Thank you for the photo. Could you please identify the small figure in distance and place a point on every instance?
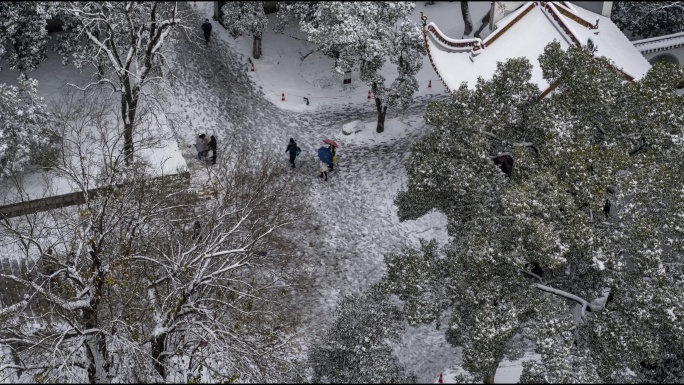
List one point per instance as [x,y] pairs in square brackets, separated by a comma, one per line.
[206,27]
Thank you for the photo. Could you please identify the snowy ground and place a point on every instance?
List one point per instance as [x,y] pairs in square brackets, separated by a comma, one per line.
[215,92]
[355,208]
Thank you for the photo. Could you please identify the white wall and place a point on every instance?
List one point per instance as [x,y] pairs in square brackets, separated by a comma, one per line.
[676,52]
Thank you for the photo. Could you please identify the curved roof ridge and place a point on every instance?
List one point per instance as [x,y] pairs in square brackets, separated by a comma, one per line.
[513,18]
[558,18]
[572,14]
[452,43]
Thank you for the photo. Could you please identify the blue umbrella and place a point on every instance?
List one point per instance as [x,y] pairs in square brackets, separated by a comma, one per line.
[324,155]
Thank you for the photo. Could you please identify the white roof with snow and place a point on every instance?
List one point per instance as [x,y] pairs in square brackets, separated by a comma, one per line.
[660,43]
[524,33]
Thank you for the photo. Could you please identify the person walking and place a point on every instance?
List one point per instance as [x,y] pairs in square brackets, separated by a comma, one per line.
[334,158]
[206,27]
[292,149]
[212,147]
[324,171]
[201,146]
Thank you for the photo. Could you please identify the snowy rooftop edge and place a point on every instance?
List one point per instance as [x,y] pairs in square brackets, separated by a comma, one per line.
[659,43]
[613,44]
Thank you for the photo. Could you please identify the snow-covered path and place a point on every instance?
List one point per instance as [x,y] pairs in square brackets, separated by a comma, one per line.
[357,220]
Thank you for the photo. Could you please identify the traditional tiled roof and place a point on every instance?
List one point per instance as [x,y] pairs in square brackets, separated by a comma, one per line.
[525,32]
[660,43]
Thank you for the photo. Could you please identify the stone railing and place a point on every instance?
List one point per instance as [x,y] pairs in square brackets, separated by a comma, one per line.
[59,201]
[464,43]
[423,18]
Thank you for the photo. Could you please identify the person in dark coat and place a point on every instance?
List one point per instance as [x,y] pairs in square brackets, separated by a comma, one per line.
[606,208]
[196,230]
[292,149]
[206,27]
[212,147]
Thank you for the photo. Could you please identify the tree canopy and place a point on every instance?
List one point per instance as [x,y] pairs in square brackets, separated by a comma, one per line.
[646,19]
[534,256]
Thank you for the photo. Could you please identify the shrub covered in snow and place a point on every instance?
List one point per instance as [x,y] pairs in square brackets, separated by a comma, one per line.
[354,349]
[23,126]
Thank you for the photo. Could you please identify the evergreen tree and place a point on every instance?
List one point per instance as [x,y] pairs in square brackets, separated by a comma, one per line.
[23,29]
[531,257]
[23,126]
[645,19]
[355,349]
[246,16]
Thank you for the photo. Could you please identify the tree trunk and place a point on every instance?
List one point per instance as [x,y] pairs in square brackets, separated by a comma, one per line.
[128,142]
[485,22]
[128,108]
[14,348]
[157,350]
[489,377]
[465,12]
[382,112]
[256,48]
[95,344]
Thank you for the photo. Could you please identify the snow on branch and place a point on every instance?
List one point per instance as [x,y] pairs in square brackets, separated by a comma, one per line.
[594,306]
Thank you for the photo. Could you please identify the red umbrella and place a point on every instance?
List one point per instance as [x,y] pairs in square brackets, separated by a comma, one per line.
[330,142]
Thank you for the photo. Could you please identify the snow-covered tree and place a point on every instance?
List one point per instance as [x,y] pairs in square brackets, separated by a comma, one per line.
[249,17]
[539,254]
[649,18]
[125,42]
[23,126]
[354,349]
[23,30]
[365,35]
[147,281]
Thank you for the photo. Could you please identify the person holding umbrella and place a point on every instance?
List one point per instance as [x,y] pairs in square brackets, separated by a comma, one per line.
[332,146]
[326,158]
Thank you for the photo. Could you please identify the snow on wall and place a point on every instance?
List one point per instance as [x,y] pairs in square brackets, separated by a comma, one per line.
[656,47]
